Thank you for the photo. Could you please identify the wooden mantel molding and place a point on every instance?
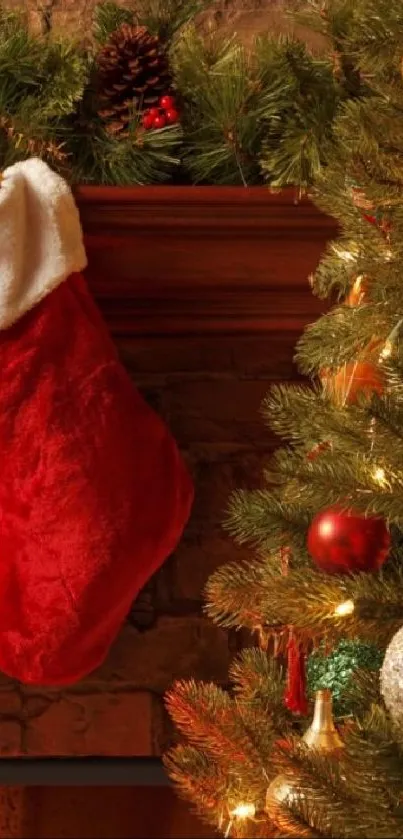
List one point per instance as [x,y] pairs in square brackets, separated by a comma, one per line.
[195,260]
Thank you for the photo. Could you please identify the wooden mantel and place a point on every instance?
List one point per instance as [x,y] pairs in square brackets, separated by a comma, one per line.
[195,260]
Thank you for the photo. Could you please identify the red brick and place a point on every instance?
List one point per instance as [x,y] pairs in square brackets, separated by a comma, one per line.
[216,481]
[176,648]
[93,724]
[10,723]
[196,559]
[10,703]
[10,738]
[165,734]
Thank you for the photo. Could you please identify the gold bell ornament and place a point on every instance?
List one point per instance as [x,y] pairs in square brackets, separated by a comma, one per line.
[322,735]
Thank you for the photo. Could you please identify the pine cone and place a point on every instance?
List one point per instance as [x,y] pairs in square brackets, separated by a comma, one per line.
[132,74]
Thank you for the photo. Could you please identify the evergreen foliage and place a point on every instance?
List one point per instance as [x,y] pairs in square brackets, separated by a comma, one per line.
[358,791]
[247,117]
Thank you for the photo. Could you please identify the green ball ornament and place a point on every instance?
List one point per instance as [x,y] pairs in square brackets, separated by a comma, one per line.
[336,670]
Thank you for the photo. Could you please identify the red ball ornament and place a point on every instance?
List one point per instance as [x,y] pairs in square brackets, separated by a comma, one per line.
[171,116]
[353,380]
[358,378]
[159,121]
[345,542]
[167,103]
[370,219]
[154,112]
[148,121]
[324,446]
[358,292]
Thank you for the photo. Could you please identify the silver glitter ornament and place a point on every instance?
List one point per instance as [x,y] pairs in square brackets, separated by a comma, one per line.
[391,679]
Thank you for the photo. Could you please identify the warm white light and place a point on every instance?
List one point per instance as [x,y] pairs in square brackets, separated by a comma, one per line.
[347,256]
[244,811]
[387,350]
[346,608]
[357,287]
[379,475]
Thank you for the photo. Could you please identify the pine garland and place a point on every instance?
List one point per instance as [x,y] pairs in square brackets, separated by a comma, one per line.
[246,117]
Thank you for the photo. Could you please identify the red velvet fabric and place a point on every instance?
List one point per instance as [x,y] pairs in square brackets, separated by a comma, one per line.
[93,492]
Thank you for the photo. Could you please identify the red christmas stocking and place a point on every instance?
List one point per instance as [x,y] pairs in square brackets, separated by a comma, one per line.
[93,492]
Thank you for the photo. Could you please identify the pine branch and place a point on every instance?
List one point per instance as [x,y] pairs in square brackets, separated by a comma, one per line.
[242,595]
[108,16]
[199,779]
[266,521]
[209,718]
[258,681]
[294,149]
[164,18]
[145,157]
[329,793]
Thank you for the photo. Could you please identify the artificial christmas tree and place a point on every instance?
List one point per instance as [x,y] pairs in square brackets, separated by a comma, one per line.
[333,501]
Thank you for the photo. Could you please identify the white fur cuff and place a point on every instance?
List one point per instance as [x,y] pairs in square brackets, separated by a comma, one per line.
[41,240]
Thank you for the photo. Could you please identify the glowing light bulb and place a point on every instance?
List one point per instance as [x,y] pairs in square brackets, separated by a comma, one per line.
[387,350]
[346,608]
[379,475]
[244,811]
[346,255]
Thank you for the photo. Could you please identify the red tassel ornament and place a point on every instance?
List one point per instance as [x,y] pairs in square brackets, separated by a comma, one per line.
[295,698]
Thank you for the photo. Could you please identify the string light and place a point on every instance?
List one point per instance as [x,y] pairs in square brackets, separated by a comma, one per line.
[387,351]
[379,475]
[228,830]
[357,287]
[241,812]
[343,609]
[244,811]
[345,255]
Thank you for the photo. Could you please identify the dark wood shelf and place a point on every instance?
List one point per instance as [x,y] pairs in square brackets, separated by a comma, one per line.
[84,771]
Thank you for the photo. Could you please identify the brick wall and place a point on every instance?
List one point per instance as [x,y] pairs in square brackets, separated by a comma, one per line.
[246,18]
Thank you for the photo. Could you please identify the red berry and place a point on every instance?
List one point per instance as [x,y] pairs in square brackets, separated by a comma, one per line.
[159,121]
[167,102]
[154,112]
[148,121]
[172,116]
